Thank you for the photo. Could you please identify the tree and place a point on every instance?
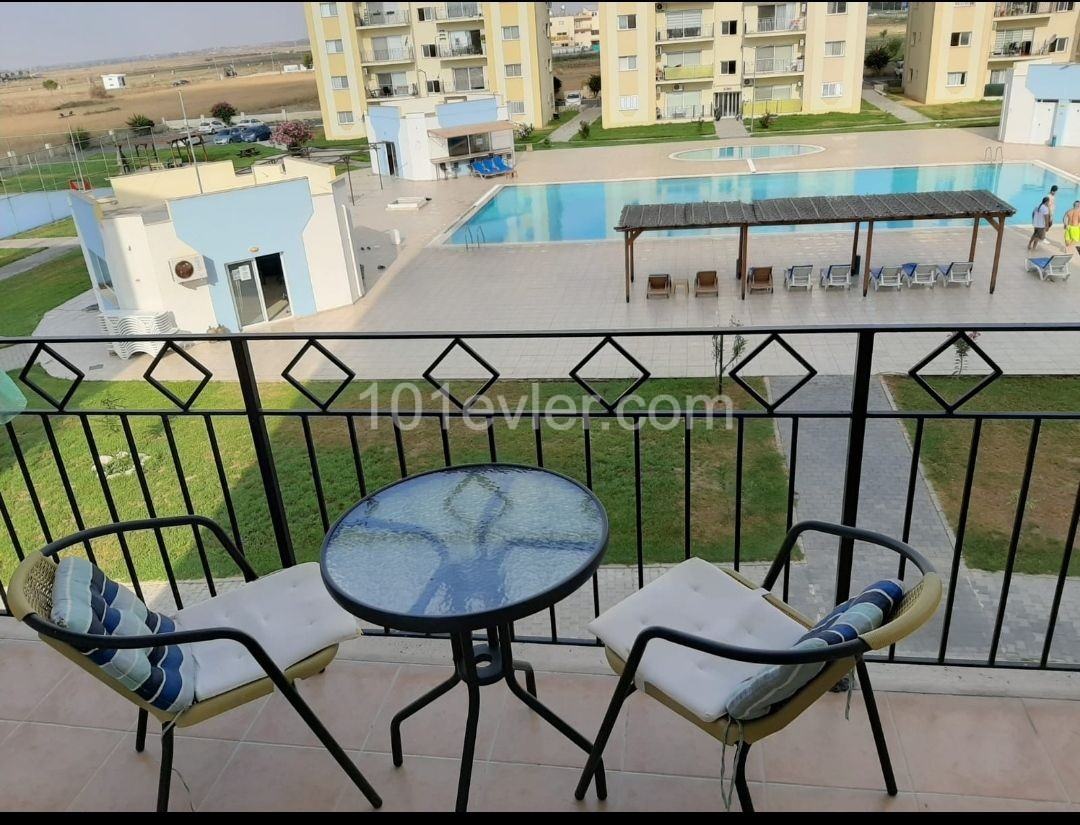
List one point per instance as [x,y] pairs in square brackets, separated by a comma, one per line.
[593,83]
[140,124]
[224,112]
[292,134]
[877,59]
[558,85]
[80,138]
[50,84]
[895,45]
[309,61]
[722,361]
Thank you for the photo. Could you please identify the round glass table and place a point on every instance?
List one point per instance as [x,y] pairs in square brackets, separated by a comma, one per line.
[464,549]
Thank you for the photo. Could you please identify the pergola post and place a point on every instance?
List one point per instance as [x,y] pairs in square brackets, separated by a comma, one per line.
[744,242]
[855,247]
[869,252]
[626,262]
[633,237]
[974,239]
[1000,229]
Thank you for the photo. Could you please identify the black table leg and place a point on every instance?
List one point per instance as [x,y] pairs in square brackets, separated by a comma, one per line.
[410,709]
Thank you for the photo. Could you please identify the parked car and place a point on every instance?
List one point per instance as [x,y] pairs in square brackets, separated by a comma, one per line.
[573,100]
[180,81]
[254,134]
[230,135]
[208,127]
[247,122]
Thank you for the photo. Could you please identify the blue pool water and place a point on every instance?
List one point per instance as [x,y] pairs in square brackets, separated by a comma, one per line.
[753,152]
[588,211]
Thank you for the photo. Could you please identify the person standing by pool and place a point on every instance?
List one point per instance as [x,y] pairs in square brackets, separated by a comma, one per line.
[1052,206]
[1072,228]
[1040,220]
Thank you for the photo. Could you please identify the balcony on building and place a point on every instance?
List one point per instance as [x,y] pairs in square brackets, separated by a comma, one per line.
[453,12]
[402,54]
[455,50]
[698,32]
[370,18]
[1026,9]
[773,66]
[388,92]
[684,74]
[763,26]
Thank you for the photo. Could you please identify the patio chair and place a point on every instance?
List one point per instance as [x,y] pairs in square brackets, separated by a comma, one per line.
[483,169]
[799,276]
[920,274]
[501,166]
[958,272]
[1056,267]
[738,662]
[706,283]
[244,643]
[759,279]
[838,275]
[887,277]
[659,286]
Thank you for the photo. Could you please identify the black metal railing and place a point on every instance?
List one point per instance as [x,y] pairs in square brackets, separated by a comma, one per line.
[383,17]
[395,55]
[1021,9]
[684,32]
[462,50]
[274,435]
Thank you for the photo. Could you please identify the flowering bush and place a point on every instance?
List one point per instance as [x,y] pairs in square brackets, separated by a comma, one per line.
[224,112]
[292,134]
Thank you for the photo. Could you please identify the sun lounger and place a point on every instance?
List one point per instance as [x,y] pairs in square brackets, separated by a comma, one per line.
[481,168]
[706,283]
[958,272]
[1054,267]
[501,166]
[799,276]
[920,274]
[887,277]
[836,275]
[759,279]
[659,286]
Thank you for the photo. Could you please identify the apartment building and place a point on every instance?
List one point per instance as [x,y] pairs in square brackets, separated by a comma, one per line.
[366,54]
[669,61]
[579,31]
[962,51]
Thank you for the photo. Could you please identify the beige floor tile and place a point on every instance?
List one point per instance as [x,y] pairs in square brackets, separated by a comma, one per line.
[28,671]
[346,698]
[438,729]
[807,798]
[580,700]
[233,724]
[652,792]
[43,767]
[947,802]
[1058,726]
[278,778]
[6,728]
[423,783]
[823,748]
[984,746]
[511,787]
[80,699]
[128,781]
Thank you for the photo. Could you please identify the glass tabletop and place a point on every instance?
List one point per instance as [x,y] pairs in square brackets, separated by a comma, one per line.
[464,547]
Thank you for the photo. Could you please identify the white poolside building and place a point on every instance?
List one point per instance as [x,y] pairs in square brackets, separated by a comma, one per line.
[1042,104]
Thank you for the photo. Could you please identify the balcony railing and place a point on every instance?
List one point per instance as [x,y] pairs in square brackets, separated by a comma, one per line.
[460,11]
[390,17]
[399,55]
[1022,9]
[685,72]
[772,66]
[695,112]
[1023,48]
[994,90]
[684,32]
[462,51]
[775,25]
[381,92]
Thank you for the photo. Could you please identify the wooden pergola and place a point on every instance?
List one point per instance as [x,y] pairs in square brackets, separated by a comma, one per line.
[976,204]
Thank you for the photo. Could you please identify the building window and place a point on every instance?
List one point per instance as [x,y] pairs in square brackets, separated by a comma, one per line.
[963,4]
[835,48]
[515,107]
[334,47]
[469,79]
[997,76]
[1064,6]
[960,39]
[729,27]
[727,67]
[1059,44]
[103,279]
[328,9]
[344,118]
[434,86]
[511,33]
[425,13]
[837,8]
[339,81]
[627,22]
[956,79]
[780,92]
[628,103]
[513,70]
[429,50]
[628,64]
[831,90]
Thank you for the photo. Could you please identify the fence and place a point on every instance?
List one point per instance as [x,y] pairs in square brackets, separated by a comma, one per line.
[276,459]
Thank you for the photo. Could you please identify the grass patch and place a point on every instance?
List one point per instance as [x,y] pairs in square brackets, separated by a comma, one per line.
[231,151]
[662,517]
[26,297]
[323,143]
[998,473]
[63,228]
[868,115]
[10,256]
[955,111]
[690,130]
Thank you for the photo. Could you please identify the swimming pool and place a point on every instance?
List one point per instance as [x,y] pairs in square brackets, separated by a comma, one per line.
[544,213]
[758,151]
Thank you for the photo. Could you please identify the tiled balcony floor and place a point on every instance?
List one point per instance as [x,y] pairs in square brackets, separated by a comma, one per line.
[67,742]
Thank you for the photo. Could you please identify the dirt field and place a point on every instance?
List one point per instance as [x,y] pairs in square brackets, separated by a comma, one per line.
[29,114]
[574,71]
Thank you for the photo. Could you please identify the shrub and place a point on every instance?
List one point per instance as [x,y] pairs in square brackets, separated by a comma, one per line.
[877,59]
[895,47]
[545,142]
[50,84]
[583,130]
[80,138]
[98,92]
[309,61]
[224,112]
[593,83]
[141,124]
[767,120]
[557,84]
[292,134]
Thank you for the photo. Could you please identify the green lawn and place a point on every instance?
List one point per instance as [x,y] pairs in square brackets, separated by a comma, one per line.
[63,228]
[689,130]
[712,471]
[10,256]
[323,143]
[26,297]
[967,109]
[868,115]
[1002,450]
[231,151]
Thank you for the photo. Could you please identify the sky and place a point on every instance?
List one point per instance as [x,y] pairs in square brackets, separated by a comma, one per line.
[41,34]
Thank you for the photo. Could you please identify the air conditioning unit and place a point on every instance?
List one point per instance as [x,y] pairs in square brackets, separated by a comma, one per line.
[659,6]
[188,269]
[748,81]
[677,87]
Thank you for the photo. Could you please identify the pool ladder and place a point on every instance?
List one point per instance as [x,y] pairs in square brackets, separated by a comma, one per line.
[473,240]
[994,154]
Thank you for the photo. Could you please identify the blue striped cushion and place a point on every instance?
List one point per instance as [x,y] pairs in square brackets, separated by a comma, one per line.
[774,684]
[85,600]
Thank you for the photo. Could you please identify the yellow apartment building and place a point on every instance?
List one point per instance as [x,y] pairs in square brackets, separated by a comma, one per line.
[670,61]
[368,53]
[962,51]
[576,31]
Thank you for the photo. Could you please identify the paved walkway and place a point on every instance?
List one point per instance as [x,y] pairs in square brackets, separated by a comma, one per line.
[729,127]
[587,115]
[905,113]
[50,252]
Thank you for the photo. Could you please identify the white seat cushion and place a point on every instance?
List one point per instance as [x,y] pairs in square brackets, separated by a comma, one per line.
[288,612]
[698,598]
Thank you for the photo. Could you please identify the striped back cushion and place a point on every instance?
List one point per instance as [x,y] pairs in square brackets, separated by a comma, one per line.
[85,600]
[774,684]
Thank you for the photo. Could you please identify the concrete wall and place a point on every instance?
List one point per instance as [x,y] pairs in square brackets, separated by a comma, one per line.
[1042,110]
